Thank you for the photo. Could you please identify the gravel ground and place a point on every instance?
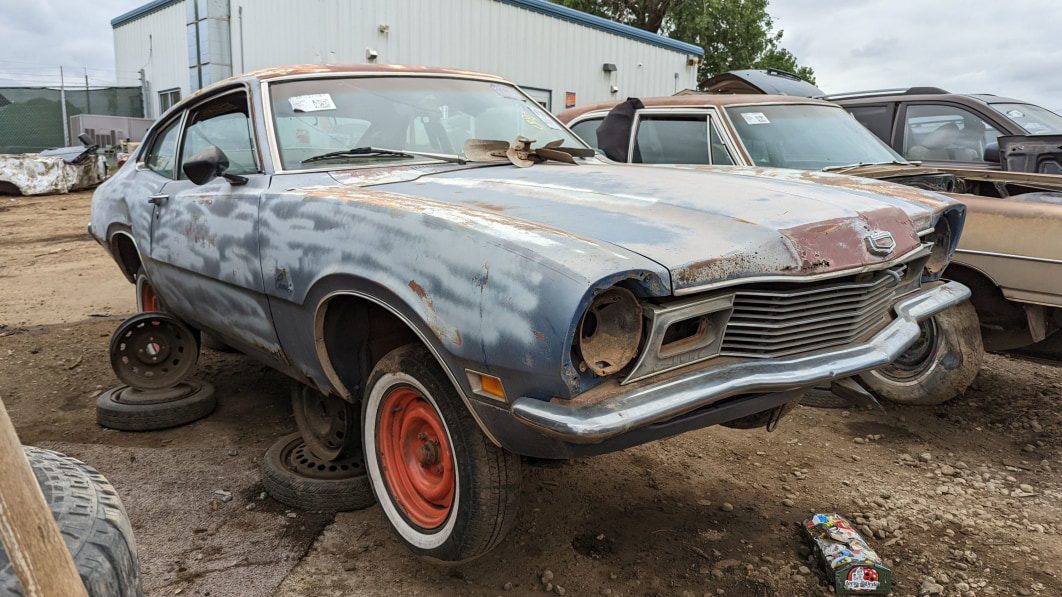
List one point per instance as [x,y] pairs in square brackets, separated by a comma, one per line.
[962,499]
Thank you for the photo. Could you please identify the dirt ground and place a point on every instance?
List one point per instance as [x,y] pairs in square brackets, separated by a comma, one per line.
[962,499]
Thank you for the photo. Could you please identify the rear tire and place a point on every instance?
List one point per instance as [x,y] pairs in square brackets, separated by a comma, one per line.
[939,366]
[93,524]
[449,494]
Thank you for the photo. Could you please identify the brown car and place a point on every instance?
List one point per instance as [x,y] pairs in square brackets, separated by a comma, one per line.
[1010,252]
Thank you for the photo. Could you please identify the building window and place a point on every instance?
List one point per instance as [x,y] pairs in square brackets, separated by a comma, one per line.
[168,98]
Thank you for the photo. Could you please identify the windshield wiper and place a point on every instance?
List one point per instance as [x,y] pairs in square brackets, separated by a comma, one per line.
[380,152]
[859,164]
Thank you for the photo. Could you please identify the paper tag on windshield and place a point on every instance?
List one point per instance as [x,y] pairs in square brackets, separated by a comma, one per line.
[755,118]
[312,103]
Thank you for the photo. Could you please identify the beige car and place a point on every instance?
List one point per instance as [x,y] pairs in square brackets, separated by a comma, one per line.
[1010,252]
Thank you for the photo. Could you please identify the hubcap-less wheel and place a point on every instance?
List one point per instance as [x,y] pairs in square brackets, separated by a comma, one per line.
[147,300]
[327,424]
[151,351]
[416,457]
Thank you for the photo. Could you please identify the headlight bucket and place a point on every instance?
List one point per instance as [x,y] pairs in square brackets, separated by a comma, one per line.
[945,238]
[610,332]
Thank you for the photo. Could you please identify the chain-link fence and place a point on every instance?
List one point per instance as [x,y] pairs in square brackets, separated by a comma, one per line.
[31,118]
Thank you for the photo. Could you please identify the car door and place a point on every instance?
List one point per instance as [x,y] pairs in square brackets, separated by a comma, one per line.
[204,242]
[940,134]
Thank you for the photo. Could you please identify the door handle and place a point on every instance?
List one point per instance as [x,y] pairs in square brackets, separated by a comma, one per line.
[158,199]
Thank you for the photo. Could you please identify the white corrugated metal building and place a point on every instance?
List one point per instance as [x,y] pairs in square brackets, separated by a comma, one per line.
[558,55]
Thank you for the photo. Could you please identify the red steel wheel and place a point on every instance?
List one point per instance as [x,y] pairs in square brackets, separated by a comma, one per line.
[147,300]
[415,457]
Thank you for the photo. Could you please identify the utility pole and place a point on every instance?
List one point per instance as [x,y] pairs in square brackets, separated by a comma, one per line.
[144,94]
[88,96]
[62,104]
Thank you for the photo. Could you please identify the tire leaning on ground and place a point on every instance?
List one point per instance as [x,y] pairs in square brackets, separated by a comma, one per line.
[941,364]
[93,523]
[128,409]
[449,494]
[292,475]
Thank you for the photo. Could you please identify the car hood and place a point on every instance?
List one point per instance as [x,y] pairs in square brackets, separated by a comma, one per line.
[705,225]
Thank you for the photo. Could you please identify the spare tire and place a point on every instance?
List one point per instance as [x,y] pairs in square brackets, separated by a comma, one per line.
[292,475]
[93,524]
[128,409]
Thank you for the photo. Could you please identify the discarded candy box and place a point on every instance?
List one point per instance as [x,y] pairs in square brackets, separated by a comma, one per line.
[849,562]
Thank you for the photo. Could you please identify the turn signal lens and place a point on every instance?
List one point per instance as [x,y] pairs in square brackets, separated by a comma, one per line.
[485,385]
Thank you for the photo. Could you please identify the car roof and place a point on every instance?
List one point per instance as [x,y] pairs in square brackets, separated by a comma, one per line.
[695,100]
[913,95]
[298,71]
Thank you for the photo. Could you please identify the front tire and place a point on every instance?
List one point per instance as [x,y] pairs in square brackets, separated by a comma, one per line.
[449,494]
[939,366]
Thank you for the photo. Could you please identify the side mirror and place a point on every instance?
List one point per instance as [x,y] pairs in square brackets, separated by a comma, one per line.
[209,164]
[992,153]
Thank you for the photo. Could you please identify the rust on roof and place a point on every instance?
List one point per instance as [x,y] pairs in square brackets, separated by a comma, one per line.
[703,100]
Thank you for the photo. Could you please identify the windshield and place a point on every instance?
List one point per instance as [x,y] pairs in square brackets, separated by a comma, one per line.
[1034,119]
[412,114]
[807,137]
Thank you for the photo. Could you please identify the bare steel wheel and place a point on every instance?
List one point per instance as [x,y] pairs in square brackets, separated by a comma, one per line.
[449,494]
[328,424]
[294,476]
[152,351]
[147,300]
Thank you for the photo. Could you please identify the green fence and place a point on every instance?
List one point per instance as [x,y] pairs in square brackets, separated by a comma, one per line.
[31,118]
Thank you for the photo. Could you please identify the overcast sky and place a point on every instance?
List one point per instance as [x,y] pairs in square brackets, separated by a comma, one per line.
[965,46]
[1008,48]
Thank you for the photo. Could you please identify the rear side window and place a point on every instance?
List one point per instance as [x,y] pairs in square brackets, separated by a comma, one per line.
[162,157]
[671,140]
[876,118]
[587,130]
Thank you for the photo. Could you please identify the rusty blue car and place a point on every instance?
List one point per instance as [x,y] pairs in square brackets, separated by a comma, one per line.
[456,282]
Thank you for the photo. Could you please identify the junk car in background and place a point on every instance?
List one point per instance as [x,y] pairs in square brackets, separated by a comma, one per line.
[1008,254]
[433,252]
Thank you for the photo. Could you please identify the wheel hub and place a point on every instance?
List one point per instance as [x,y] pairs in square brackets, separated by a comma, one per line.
[917,359]
[415,457]
[326,423]
[152,351]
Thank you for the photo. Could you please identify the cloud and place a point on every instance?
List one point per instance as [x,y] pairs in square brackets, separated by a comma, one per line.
[41,35]
[1007,48]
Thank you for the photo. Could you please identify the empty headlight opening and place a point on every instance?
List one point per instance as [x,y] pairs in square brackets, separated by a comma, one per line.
[610,332]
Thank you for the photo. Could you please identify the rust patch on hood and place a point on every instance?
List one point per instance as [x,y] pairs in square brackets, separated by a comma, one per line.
[841,243]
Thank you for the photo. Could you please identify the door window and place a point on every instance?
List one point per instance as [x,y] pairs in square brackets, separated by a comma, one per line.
[943,133]
[876,118]
[671,139]
[223,123]
[161,158]
[720,154]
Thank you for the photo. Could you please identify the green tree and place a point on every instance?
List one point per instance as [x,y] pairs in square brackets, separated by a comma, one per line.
[735,34]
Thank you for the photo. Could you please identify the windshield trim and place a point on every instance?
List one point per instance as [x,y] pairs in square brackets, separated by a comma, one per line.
[741,142]
[271,137]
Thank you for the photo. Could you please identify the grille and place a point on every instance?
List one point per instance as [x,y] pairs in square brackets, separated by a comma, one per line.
[773,323]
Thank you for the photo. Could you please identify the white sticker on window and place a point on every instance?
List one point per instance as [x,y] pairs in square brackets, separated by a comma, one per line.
[755,118]
[312,103]
[1015,113]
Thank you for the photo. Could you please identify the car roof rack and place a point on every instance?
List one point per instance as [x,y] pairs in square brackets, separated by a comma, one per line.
[897,91]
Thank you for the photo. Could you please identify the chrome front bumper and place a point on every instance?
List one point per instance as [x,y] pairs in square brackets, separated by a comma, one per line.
[679,395]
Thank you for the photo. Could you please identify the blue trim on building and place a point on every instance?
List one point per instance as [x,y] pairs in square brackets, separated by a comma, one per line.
[142,11]
[540,6]
[595,22]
